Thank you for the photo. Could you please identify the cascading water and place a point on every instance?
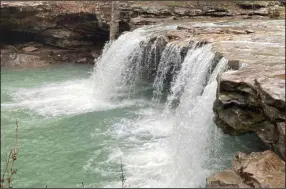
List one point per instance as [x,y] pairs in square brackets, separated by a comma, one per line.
[170,60]
[193,125]
[114,66]
[122,61]
[192,75]
[181,163]
[147,101]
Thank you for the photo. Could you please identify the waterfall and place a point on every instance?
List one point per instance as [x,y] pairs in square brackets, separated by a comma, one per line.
[169,62]
[118,63]
[191,77]
[189,85]
[124,61]
[194,136]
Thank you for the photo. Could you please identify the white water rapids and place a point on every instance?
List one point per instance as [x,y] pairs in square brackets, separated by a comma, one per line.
[184,136]
[172,143]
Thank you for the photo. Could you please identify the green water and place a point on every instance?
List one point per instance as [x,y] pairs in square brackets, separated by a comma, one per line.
[65,140]
[53,150]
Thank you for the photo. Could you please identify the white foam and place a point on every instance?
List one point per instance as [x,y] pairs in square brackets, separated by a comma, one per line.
[193,131]
[65,98]
[169,148]
[172,148]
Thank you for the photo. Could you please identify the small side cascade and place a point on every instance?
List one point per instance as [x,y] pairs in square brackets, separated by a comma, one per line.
[153,55]
[192,75]
[195,139]
[169,62]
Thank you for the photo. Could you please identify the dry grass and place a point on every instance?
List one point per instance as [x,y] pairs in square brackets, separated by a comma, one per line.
[8,169]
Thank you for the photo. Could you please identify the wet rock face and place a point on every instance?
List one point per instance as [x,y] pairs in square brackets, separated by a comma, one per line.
[252,99]
[256,170]
[154,47]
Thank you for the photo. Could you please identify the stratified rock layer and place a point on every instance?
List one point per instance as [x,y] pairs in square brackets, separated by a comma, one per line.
[58,24]
[252,99]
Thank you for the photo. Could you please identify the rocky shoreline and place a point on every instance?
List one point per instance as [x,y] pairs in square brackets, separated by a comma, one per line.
[77,31]
[250,97]
[33,54]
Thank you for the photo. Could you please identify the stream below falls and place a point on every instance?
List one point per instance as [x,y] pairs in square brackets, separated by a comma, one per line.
[77,123]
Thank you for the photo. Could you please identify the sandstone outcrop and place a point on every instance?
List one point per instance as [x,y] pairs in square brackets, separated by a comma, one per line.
[85,25]
[256,170]
[252,99]
[72,24]
[33,54]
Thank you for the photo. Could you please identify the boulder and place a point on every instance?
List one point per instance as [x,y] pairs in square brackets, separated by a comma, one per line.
[256,170]
[29,49]
[22,61]
[226,179]
[260,169]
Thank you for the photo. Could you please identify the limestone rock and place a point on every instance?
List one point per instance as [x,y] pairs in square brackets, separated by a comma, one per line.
[29,49]
[261,169]
[22,60]
[252,99]
[280,146]
[261,12]
[226,179]
[70,24]
[140,21]
[256,170]
[53,23]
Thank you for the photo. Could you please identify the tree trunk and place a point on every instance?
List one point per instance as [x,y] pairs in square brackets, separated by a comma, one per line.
[114,22]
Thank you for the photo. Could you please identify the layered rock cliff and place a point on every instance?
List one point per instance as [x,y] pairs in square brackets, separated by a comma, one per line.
[76,31]
[252,99]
